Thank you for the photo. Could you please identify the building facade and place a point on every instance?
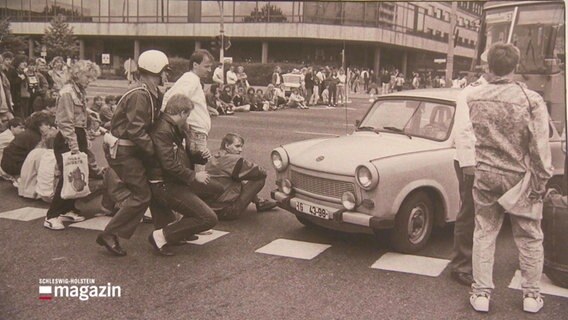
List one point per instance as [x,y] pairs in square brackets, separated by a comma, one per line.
[408,36]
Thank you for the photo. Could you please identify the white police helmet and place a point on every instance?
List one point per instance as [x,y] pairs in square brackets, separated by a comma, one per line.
[153,61]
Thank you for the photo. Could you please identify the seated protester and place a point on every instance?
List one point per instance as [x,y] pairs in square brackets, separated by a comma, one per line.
[280,97]
[226,98]
[174,186]
[107,111]
[264,105]
[47,174]
[252,100]
[38,125]
[97,104]
[15,127]
[296,100]
[27,183]
[241,179]
[239,101]
[270,97]
[211,98]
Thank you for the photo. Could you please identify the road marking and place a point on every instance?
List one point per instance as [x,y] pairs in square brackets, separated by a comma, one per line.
[24,214]
[425,266]
[96,223]
[293,249]
[317,133]
[203,239]
[546,285]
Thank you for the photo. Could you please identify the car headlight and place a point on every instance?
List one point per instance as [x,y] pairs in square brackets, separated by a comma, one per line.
[279,159]
[348,200]
[367,176]
[286,186]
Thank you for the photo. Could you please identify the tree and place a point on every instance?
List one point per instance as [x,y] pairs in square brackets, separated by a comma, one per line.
[59,39]
[268,13]
[8,41]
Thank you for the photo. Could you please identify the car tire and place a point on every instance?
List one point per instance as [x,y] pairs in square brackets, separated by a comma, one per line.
[413,223]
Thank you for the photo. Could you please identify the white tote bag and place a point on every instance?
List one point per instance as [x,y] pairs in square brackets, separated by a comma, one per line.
[75,176]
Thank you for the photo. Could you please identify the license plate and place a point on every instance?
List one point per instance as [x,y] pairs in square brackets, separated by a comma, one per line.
[313,210]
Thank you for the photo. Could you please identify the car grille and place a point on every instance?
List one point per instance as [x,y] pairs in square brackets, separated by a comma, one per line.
[320,186]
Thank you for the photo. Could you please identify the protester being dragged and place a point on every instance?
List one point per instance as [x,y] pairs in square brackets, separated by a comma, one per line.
[241,179]
[175,186]
[71,119]
[512,150]
[38,125]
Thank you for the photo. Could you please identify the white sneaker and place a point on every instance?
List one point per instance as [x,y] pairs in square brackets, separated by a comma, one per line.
[53,224]
[533,303]
[479,302]
[72,216]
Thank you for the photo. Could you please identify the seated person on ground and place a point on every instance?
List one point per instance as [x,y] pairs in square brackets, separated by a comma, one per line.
[270,97]
[15,127]
[239,101]
[107,111]
[97,104]
[29,179]
[211,100]
[241,179]
[280,97]
[215,101]
[296,100]
[38,125]
[252,99]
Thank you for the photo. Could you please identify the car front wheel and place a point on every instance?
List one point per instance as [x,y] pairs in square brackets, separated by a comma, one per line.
[413,223]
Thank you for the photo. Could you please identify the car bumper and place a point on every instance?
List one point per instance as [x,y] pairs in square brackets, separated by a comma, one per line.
[339,218]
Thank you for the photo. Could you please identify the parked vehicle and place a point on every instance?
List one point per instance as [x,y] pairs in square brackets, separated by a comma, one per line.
[396,171]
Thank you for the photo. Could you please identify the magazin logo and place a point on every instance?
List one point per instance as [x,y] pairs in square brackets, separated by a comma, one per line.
[83,292]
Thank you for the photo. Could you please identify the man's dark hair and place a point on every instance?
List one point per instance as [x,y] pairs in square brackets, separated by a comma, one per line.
[109,98]
[502,58]
[15,122]
[37,119]
[7,55]
[229,139]
[198,55]
[213,88]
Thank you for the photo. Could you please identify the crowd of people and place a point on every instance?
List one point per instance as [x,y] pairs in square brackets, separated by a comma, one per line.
[155,145]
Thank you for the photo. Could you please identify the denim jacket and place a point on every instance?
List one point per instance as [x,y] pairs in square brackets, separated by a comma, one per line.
[71,112]
[511,122]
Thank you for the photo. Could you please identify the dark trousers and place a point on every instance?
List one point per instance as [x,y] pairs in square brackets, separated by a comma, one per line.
[129,167]
[248,194]
[58,205]
[465,224]
[197,215]
[332,100]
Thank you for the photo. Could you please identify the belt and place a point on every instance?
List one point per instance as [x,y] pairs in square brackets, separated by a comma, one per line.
[125,142]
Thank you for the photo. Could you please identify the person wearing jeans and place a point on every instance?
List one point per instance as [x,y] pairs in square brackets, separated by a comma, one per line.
[510,124]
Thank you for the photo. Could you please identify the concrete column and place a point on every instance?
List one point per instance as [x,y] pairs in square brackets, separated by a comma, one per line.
[81,49]
[377,60]
[30,48]
[197,45]
[264,55]
[136,49]
[404,62]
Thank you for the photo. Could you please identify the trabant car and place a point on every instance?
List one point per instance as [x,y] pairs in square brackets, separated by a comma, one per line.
[290,81]
[395,171]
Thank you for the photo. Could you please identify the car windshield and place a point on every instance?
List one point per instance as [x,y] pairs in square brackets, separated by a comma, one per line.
[425,119]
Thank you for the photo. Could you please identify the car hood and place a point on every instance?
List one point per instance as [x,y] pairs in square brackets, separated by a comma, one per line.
[343,154]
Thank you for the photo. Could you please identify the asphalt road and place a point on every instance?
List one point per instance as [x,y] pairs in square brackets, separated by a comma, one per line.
[225,278]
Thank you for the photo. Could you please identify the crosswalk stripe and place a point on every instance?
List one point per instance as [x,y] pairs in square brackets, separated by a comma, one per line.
[293,249]
[24,214]
[546,286]
[425,266]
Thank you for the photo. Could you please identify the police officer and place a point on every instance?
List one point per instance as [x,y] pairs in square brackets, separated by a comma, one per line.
[135,114]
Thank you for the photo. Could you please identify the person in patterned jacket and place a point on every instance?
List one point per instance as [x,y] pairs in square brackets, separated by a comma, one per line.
[510,124]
